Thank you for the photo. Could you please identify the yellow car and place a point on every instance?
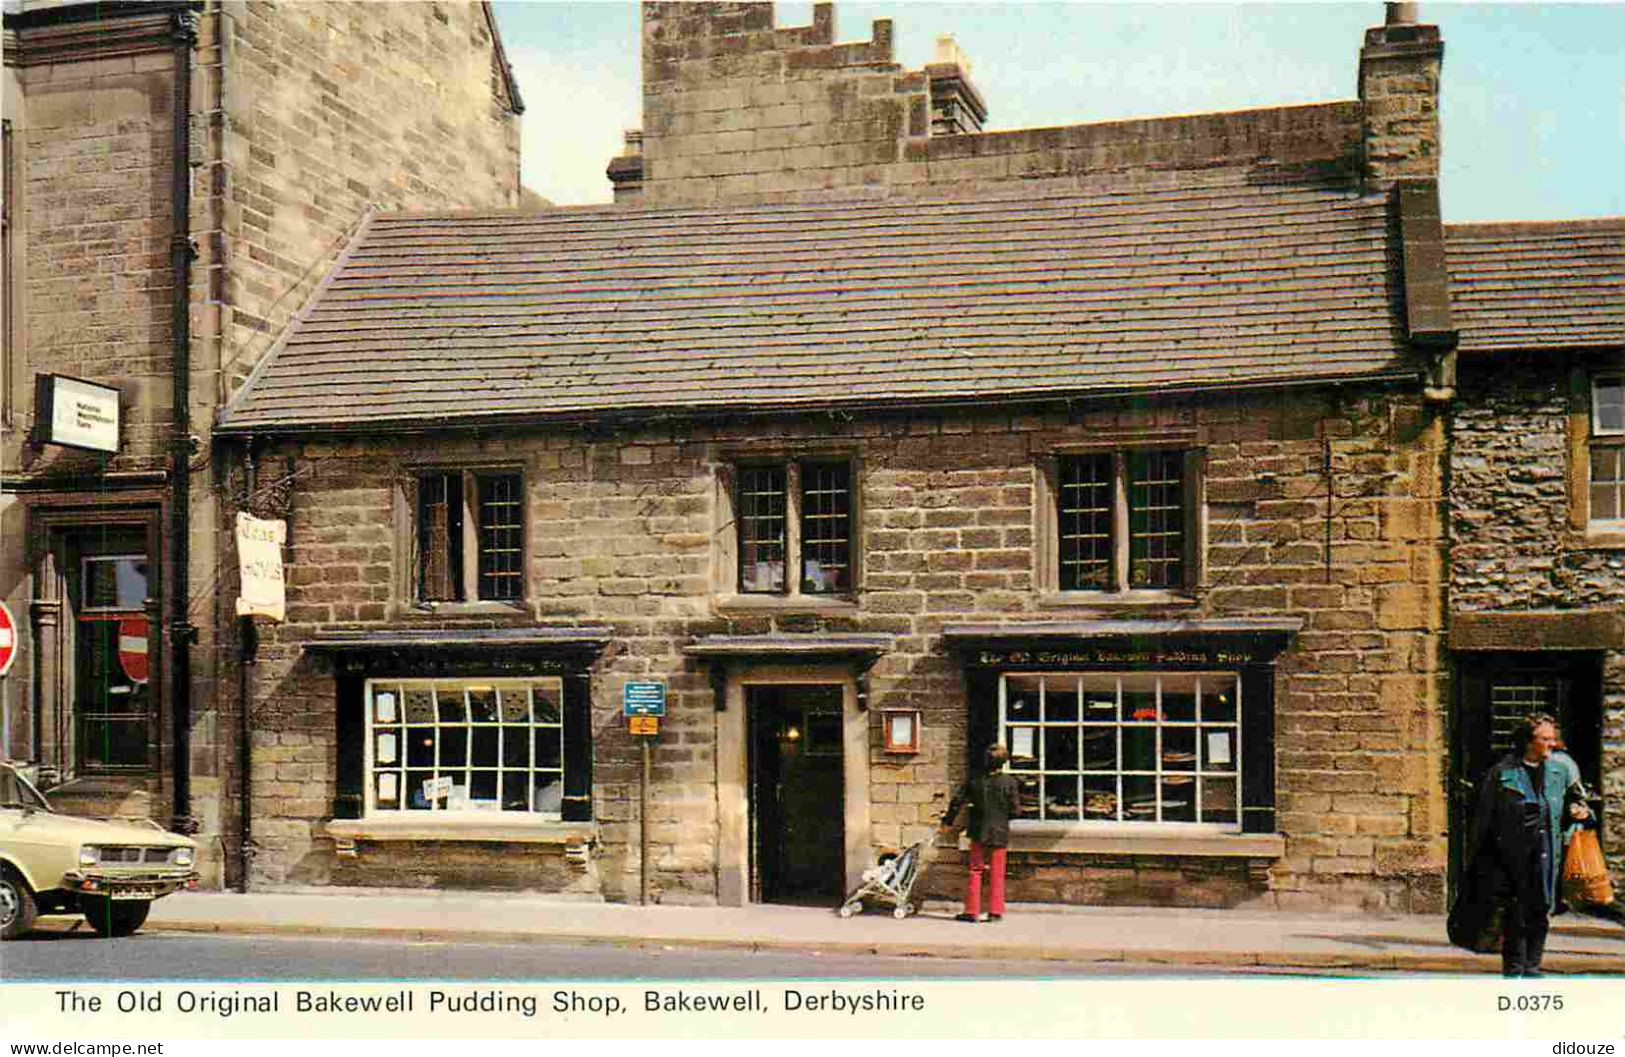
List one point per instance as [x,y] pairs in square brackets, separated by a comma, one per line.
[58,864]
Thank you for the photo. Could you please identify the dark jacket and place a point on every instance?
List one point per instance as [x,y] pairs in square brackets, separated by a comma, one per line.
[1514,850]
[993,800]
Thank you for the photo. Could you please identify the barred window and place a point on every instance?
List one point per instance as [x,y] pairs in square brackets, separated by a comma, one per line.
[795,515]
[1125,520]
[1125,747]
[465,746]
[1607,449]
[470,534]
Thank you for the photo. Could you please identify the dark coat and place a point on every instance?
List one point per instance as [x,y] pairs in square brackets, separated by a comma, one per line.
[1514,851]
[993,800]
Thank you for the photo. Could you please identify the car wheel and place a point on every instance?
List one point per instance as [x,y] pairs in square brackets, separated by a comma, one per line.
[17,909]
[110,918]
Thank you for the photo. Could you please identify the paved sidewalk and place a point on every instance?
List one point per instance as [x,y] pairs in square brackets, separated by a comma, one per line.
[1239,938]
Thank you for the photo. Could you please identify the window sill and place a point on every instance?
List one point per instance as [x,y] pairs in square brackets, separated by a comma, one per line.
[1600,537]
[1121,600]
[1110,839]
[788,604]
[508,831]
[460,609]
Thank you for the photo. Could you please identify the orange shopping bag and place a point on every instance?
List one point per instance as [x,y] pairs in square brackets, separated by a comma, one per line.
[1585,874]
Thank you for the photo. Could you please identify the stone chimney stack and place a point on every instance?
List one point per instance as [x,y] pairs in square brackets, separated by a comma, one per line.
[625,171]
[956,105]
[1399,85]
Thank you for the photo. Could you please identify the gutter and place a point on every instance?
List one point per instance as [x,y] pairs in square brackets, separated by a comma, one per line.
[656,412]
[182,633]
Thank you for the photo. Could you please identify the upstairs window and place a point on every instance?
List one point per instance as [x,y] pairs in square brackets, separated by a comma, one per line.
[1126,520]
[794,515]
[470,536]
[1607,450]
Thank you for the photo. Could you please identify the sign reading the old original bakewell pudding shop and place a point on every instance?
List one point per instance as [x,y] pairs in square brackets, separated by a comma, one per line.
[75,413]
[1109,656]
[259,558]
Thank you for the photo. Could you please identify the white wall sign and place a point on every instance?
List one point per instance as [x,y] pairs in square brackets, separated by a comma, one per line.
[75,413]
[259,558]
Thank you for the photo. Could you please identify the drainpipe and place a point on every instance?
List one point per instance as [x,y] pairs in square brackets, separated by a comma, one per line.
[181,631]
[248,654]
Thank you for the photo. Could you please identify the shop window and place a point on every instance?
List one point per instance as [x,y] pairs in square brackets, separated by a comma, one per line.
[1125,747]
[466,747]
[1126,521]
[1607,452]
[794,515]
[112,694]
[470,537]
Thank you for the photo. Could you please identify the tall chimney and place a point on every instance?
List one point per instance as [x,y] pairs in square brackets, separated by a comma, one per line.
[956,105]
[1399,85]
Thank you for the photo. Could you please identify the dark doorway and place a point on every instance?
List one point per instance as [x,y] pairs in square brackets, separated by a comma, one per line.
[797,794]
[1496,690]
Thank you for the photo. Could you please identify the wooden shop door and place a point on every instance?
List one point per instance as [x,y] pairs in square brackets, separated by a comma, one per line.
[797,801]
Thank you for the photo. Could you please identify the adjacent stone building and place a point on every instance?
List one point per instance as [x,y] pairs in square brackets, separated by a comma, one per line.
[1122,444]
[1537,532]
[178,177]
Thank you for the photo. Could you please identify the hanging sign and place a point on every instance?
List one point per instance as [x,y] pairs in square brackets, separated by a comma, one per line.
[8,639]
[75,413]
[259,557]
[132,648]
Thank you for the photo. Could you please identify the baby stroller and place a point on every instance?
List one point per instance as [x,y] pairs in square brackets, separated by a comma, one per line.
[891,881]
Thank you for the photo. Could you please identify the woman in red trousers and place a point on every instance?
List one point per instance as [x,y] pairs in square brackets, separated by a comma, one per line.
[993,798]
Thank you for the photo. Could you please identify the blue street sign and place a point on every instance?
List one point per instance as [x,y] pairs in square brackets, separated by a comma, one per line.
[644,699]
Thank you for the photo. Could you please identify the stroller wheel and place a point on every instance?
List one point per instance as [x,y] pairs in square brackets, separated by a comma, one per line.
[848,909]
[903,910]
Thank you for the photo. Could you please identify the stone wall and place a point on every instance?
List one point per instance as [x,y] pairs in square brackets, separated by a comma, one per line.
[95,145]
[622,526]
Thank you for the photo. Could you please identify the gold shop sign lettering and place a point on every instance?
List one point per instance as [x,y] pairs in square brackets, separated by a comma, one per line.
[1072,658]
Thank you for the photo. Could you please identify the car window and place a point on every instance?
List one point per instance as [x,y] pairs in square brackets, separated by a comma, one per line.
[15,792]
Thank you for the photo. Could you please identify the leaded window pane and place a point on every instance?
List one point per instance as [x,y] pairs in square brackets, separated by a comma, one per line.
[1607,483]
[1608,406]
[501,537]
[826,528]
[1156,519]
[1085,530]
[761,529]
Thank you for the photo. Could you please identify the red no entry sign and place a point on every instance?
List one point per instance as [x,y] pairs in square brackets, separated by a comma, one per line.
[8,639]
[132,648]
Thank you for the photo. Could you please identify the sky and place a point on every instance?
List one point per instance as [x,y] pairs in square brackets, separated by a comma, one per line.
[1532,104]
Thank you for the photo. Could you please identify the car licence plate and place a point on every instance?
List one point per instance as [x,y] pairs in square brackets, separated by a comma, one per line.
[124,892]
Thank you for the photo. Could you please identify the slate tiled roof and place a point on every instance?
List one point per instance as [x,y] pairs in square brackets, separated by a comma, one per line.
[1537,285]
[582,311]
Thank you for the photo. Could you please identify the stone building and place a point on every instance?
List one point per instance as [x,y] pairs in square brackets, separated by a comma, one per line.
[178,177]
[873,438]
[1537,531]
